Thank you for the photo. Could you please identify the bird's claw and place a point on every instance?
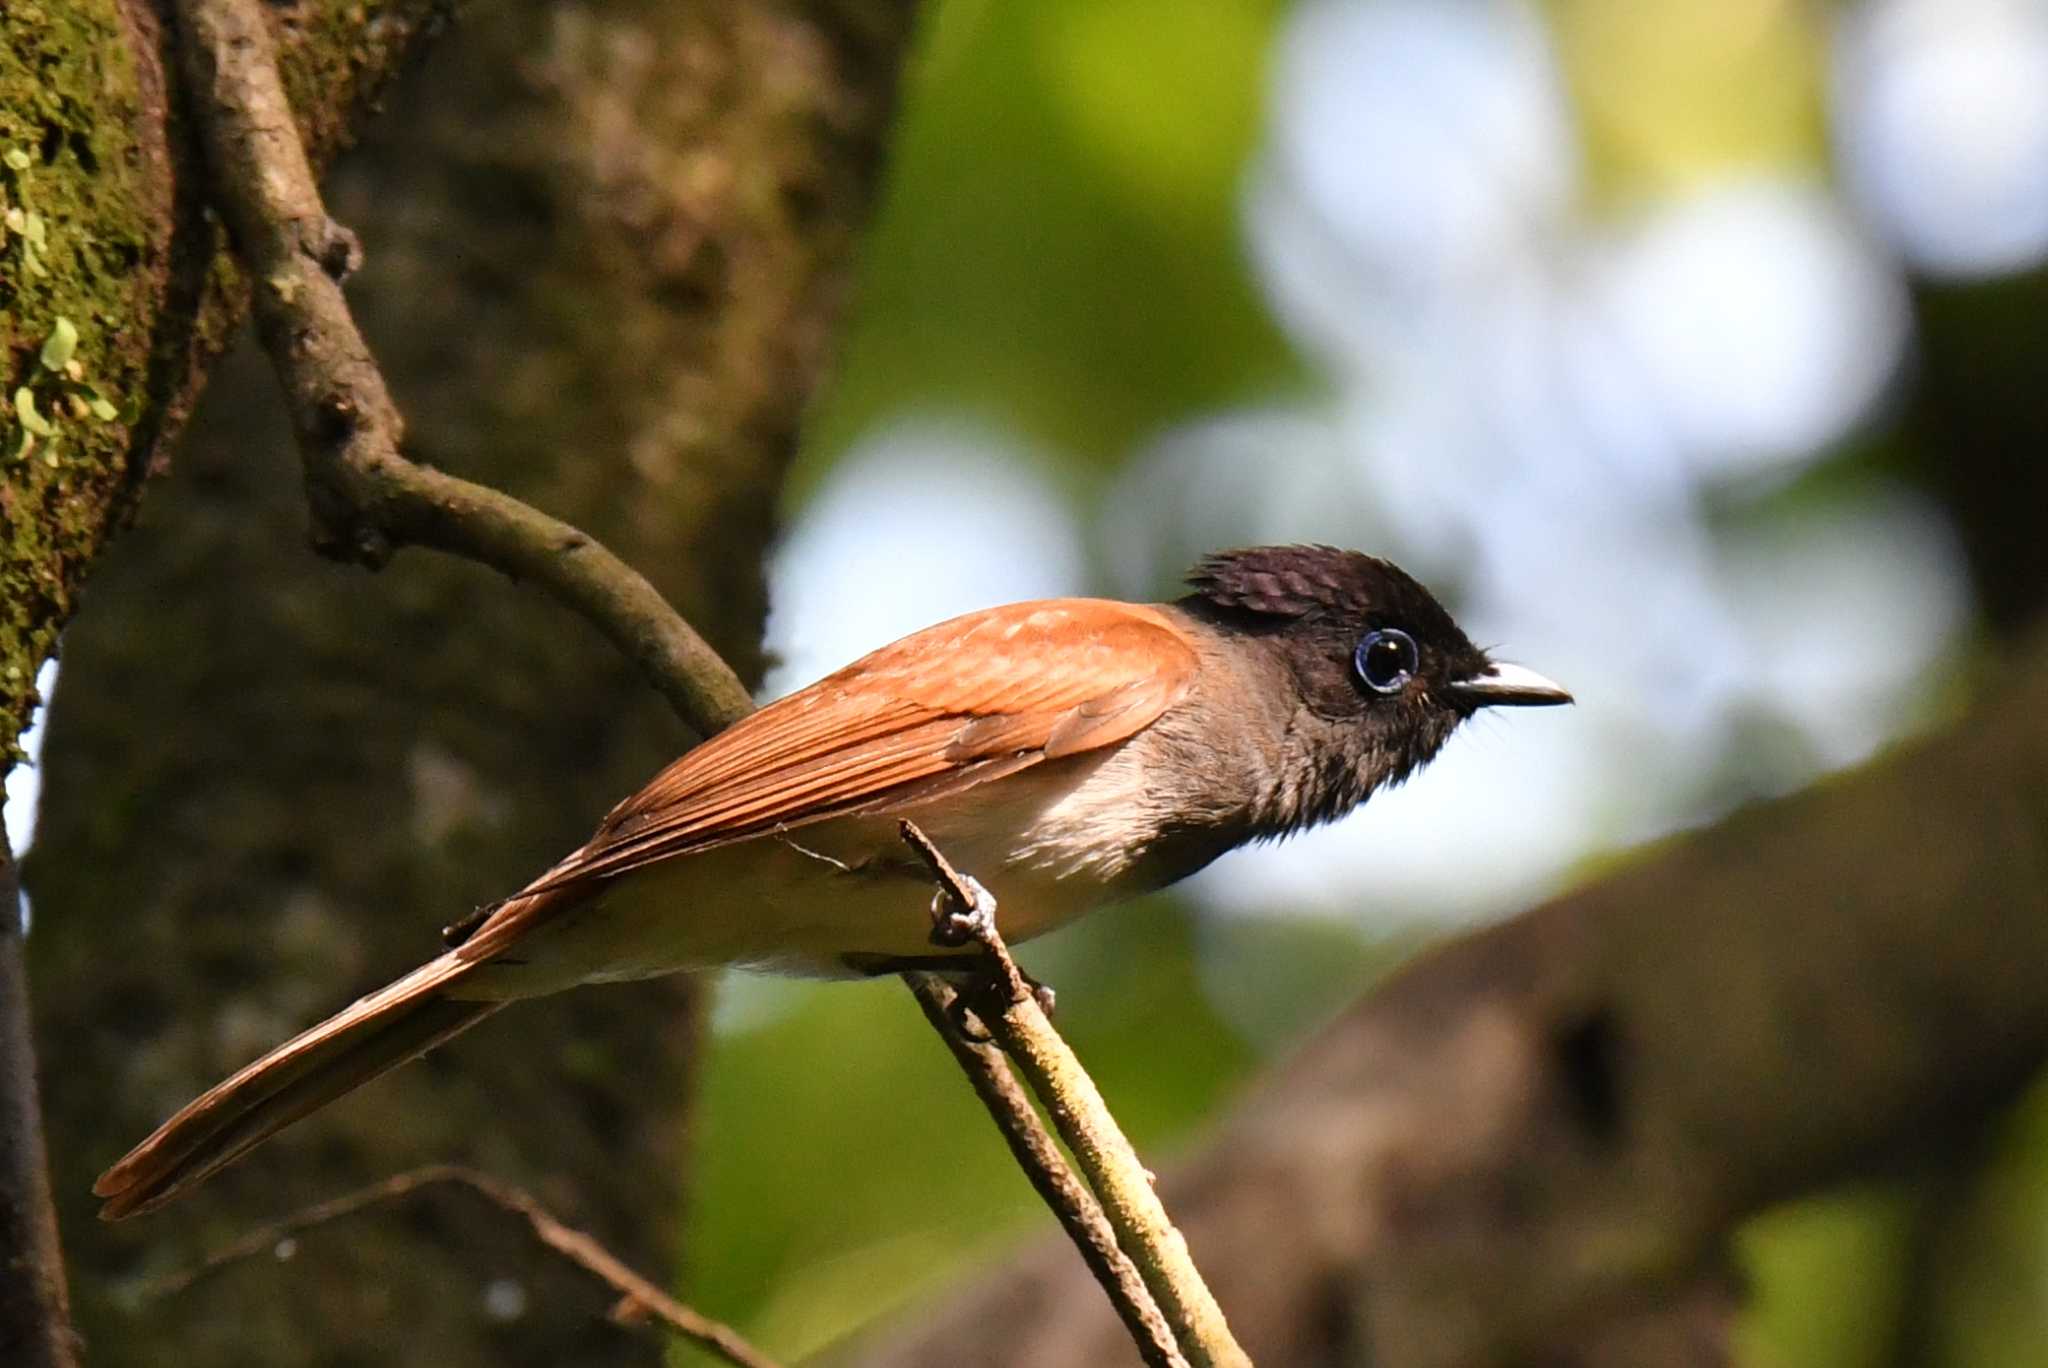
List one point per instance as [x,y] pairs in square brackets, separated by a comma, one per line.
[957,922]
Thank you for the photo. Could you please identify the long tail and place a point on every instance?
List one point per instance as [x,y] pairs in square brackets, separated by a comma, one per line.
[400,1021]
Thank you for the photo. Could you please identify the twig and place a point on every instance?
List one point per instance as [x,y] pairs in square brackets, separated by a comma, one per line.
[367,498]
[637,1296]
[1011,1011]
[1122,1182]
[963,910]
[35,1310]
[1039,1156]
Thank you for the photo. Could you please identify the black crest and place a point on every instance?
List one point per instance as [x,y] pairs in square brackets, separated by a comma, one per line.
[1302,581]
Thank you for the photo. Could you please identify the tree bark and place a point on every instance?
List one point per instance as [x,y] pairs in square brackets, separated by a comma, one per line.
[1530,1145]
[606,251]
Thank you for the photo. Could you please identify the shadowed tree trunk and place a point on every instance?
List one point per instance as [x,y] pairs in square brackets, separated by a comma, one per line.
[606,249]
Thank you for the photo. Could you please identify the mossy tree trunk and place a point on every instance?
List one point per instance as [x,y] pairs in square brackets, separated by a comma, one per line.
[106,230]
[606,250]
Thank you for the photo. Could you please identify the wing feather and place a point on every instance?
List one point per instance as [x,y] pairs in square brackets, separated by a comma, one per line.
[989,692]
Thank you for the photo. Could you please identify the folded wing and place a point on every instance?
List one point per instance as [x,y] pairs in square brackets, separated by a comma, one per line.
[979,696]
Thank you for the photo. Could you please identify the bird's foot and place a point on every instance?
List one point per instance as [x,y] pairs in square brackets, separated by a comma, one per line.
[966,919]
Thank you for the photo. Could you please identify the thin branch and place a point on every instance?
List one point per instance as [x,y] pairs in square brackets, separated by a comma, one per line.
[367,498]
[35,1311]
[1006,1003]
[964,911]
[638,1298]
[1123,1183]
[1039,1156]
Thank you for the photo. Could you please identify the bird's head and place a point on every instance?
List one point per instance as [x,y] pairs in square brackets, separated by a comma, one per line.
[1381,667]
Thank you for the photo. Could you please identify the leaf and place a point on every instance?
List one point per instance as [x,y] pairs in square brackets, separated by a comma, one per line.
[33,228]
[17,219]
[33,260]
[24,445]
[103,408]
[18,159]
[25,410]
[58,346]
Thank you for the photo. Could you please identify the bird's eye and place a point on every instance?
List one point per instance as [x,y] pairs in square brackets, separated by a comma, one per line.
[1385,659]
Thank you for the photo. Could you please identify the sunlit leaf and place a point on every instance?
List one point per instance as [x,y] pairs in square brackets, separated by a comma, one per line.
[58,346]
[25,410]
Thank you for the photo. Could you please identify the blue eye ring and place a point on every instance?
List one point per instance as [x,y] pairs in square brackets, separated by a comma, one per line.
[1386,659]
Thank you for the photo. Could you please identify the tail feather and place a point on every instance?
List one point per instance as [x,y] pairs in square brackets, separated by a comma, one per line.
[377,1033]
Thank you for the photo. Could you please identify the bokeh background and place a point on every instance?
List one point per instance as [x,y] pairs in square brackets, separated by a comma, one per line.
[1623,324]
[1600,317]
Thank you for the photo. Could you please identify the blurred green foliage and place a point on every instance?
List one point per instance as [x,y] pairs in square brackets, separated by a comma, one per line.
[1820,1275]
[1058,249]
[1671,93]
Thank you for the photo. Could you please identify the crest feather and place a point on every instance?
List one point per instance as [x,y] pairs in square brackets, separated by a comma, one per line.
[1294,582]
[1284,581]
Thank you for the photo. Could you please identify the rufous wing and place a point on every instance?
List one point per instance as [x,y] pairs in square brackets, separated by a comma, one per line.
[974,697]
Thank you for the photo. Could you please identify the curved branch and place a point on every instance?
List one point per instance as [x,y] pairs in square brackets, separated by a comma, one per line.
[367,498]
[638,1297]
[1036,1153]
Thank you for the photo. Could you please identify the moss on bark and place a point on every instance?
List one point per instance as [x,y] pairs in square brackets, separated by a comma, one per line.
[75,244]
[110,234]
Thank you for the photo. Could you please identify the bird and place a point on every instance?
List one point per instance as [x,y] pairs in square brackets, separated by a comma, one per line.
[1069,752]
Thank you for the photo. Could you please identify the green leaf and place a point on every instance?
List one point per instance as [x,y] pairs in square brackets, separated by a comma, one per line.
[33,228]
[103,408]
[25,410]
[17,219]
[58,346]
[18,159]
[33,260]
[23,444]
